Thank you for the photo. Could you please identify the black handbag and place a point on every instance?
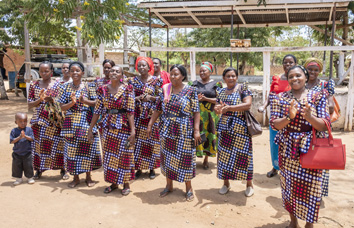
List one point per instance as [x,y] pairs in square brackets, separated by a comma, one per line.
[253,126]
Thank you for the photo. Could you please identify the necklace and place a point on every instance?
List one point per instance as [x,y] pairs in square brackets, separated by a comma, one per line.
[232,88]
[74,86]
[292,95]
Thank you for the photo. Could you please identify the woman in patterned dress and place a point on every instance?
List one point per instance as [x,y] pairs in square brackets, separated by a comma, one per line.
[314,67]
[66,74]
[279,84]
[294,113]
[146,89]
[81,156]
[115,102]
[206,89]
[47,144]
[179,132]
[235,157]
[107,66]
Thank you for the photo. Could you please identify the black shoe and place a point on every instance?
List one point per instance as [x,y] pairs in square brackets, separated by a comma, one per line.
[138,174]
[152,174]
[37,175]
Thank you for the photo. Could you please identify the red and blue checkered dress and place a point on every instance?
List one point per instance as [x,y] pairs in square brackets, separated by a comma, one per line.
[301,188]
[47,146]
[178,152]
[235,157]
[80,155]
[147,150]
[118,161]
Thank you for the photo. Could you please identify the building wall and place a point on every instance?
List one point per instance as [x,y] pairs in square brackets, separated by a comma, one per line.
[117,57]
[17,55]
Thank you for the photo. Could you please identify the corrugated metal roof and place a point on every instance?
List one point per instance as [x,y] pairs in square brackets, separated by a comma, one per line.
[213,15]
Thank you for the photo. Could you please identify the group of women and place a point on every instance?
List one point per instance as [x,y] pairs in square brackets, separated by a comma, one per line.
[156,120]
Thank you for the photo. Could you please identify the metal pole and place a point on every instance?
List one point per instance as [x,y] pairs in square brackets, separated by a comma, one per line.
[232,31]
[238,37]
[150,30]
[168,44]
[332,41]
[324,52]
[27,58]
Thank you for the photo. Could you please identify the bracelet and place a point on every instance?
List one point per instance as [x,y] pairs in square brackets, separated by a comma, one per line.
[288,118]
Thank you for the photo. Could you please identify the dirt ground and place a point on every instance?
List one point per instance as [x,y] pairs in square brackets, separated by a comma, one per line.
[50,203]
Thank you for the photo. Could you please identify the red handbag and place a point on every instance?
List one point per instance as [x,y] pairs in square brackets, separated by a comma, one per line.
[324,153]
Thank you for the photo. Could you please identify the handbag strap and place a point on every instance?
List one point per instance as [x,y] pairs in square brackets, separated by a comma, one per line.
[167,92]
[330,136]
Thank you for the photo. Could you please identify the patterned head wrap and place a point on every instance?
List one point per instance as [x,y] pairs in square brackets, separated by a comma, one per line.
[149,62]
[207,65]
[314,62]
[303,70]
[77,63]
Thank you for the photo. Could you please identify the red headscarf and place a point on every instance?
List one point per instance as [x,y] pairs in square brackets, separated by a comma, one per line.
[149,62]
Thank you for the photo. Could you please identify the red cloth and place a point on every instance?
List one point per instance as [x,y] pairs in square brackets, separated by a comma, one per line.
[165,77]
[149,62]
[279,86]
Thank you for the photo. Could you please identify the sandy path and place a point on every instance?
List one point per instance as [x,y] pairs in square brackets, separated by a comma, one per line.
[49,203]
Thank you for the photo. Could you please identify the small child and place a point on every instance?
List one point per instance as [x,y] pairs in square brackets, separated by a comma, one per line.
[22,136]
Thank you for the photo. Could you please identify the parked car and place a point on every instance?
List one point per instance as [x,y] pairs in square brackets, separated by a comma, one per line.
[56,59]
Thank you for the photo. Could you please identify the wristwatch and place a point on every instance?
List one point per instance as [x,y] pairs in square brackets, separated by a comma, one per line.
[288,117]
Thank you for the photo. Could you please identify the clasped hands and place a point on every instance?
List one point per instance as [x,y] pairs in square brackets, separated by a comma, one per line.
[305,111]
[221,108]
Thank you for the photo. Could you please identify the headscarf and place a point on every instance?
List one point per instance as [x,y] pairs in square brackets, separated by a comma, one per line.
[207,65]
[77,63]
[314,62]
[149,62]
[303,70]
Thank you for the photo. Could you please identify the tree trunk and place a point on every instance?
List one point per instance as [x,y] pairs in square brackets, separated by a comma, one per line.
[2,89]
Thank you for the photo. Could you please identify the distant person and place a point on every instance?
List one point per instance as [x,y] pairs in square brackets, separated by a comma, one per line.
[66,75]
[279,84]
[160,73]
[2,67]
[22,137]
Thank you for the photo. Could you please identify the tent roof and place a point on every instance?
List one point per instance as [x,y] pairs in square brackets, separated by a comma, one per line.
[217,13]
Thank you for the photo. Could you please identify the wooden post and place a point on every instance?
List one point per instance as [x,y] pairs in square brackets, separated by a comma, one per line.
[341,64]
[27,58]
[88,50]
[125,45]
[348,123]
[324,52]
[101,57]
[192,66]
[266,82]
[80,56]
[150,30]
[168,44]
[232,31]
[332,42]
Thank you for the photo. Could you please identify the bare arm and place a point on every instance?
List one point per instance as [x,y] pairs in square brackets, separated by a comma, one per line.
[153,119]
[245,106]
[330,105]
[280,123]
[28,138]
[35,103]
[131,138]
[196,117]
[16,139]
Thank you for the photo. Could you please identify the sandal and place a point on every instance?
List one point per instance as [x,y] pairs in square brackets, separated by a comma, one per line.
[90,183]
[189,196]
[165,192]
[110,189]
[272,173]
[64,175]
[37,175]
[73,184]
[125,191]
